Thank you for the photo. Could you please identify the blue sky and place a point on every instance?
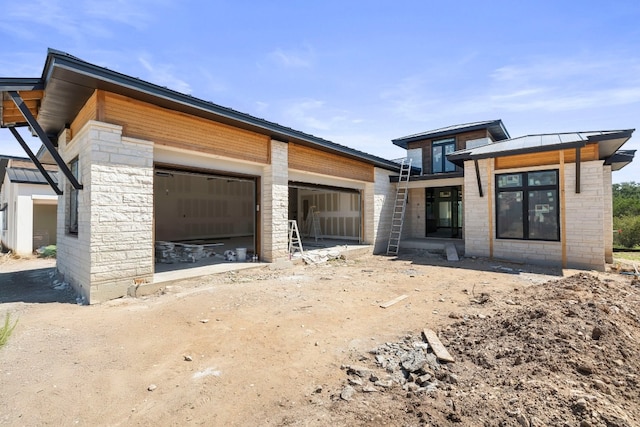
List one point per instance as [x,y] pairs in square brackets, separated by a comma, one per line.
[358,73]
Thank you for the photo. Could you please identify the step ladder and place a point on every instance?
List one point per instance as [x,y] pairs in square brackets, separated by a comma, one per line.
[314,228]
[400,204]
[294,238]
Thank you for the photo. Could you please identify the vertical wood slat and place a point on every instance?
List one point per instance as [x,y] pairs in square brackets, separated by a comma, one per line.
[563,213]
[490,168]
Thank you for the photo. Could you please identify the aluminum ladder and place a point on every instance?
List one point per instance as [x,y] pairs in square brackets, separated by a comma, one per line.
[294,238]
[315,231]
[400,205]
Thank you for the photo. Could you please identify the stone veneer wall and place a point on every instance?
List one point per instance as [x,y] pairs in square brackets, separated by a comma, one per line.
[379,199]
[476,209]
[113,249]
[608,214]
[275,205]
[414,217]
[585,214]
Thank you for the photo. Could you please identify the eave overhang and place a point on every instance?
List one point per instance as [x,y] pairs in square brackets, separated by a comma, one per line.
[69,82]
[608,144]
[495,127]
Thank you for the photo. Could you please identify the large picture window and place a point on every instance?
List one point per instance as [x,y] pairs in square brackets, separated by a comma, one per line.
[439,151]
[527,206]
[73,199]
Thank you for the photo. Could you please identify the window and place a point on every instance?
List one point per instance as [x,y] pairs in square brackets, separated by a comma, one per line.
[73,198]
[527,206]
[439,151]
[3,215]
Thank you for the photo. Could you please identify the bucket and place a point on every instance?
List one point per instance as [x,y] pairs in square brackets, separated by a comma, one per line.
[241,254]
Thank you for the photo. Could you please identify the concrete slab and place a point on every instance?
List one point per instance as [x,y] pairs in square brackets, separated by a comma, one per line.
[452,254]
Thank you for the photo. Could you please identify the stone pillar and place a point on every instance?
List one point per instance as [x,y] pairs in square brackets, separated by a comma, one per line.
[378,208]
[113,249]
[608,215]
[275,204]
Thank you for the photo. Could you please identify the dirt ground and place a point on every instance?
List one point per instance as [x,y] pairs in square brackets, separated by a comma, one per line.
[311,345]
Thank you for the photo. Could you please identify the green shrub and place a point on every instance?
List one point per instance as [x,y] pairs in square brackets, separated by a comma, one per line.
[7,329]
[629,235]
[48,252]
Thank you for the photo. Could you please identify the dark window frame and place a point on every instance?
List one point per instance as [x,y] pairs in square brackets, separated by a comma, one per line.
[525,188]
[445,165]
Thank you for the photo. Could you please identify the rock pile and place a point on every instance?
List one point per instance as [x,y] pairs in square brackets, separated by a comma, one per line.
[559,353]
[409,365]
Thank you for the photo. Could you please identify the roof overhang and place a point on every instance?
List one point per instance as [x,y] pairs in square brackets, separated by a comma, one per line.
[620,159]
[495,127]
[69,82]
[608,144]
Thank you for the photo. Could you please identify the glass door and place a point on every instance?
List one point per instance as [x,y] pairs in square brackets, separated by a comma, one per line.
[444,212]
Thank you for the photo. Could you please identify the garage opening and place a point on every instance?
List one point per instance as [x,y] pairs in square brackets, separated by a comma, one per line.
[326,216]
[203,218]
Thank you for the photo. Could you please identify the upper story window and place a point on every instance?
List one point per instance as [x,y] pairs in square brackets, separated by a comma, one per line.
[527,206]
[439,151]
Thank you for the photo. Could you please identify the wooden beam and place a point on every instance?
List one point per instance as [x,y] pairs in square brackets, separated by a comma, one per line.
[490,165]
[563,213]
[578,170]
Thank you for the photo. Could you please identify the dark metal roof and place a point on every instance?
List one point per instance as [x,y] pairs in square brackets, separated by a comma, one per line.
[620,159]
[608,143]
[4,162]
[29,176]
[70,81]
[495,127]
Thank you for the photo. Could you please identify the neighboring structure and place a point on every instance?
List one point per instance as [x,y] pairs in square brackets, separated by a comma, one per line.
[540,198]
[27,206]
[140,163]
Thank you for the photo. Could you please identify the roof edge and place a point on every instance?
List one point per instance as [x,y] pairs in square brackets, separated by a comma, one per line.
[56,58]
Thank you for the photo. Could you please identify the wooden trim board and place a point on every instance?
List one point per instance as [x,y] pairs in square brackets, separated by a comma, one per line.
[438,349]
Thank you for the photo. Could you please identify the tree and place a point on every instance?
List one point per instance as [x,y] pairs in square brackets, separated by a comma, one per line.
[626,199]
[626,213]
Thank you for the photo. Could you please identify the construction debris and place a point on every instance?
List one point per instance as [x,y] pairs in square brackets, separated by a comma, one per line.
[438,349]
[393,301]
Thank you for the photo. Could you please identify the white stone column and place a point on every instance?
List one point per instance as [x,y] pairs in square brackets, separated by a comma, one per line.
[113,249]
[378,209]
[275,204]
[608,215]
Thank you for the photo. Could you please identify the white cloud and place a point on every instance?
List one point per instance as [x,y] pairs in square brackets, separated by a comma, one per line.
[301,58]
[163,75]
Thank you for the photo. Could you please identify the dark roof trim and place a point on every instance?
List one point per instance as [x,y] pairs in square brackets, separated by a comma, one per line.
[19,83]
[459,157]
[454,130]
[620,159]
[430,177]
[63,60]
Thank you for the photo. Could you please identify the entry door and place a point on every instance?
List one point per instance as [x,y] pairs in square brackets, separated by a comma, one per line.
[444,212]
